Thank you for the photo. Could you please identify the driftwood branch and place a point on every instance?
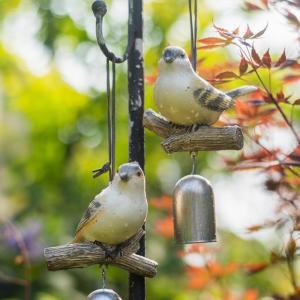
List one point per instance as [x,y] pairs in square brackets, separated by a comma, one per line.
[85,254]
[206,138]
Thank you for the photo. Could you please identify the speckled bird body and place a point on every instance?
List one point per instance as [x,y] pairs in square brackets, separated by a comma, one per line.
[183,97]
[118,212]
[174,97]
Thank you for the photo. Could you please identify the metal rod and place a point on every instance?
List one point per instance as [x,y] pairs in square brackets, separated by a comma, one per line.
[136,110]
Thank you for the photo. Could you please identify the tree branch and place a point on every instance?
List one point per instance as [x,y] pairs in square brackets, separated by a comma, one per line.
[85,254]
[206,138]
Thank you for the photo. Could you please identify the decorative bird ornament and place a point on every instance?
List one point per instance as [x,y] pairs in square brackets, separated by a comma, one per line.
[184,98]
[117,212]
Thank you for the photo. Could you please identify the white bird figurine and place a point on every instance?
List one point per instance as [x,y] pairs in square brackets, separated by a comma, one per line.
[183,97]
[117,212]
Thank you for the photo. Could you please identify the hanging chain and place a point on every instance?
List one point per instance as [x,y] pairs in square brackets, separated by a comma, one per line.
[194,32]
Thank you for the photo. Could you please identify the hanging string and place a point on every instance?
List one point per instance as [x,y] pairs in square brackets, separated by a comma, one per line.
[109,129]
[111,122]
[194,31]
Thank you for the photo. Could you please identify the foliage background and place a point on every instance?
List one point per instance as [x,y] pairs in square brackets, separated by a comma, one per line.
[53,133]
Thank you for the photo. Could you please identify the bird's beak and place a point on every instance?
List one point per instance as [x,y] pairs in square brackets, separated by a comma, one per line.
[168,57]
[124,177]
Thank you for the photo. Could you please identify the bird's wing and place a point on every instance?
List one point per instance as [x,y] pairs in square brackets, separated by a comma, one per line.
[210,97]
[91,211]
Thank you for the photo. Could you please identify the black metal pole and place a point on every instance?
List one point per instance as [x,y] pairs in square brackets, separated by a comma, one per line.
[136,111]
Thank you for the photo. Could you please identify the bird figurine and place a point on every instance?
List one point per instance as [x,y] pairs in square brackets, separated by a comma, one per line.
[117,212]
[184,98]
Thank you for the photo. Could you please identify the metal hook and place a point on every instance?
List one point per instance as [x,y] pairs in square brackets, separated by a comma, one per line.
[99,9]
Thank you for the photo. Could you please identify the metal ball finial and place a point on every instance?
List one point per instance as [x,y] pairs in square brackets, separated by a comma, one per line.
[99,8]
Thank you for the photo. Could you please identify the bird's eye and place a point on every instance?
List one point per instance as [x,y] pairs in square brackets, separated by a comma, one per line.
[182,55]
[139,173]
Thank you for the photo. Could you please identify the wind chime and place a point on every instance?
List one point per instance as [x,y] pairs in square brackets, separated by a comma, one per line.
[193,198]
[133,258]
[99,10]
[193,201]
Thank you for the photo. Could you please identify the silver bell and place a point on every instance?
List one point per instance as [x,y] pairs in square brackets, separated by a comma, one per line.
[194,215]
[103,294]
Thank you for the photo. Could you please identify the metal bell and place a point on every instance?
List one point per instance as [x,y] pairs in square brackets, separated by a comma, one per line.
[193,207]
[103,294]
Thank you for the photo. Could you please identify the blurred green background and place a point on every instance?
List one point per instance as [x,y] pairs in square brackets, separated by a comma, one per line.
[53,134]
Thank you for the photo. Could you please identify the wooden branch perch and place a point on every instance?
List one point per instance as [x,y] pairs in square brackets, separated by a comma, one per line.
[206,138]
[85,254]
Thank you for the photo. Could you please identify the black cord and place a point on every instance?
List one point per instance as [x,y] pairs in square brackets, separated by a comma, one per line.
[109,124]
[195,34]
[113,120]
[193,30]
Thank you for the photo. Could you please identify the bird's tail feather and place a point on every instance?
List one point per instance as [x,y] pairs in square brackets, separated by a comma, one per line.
[244,90]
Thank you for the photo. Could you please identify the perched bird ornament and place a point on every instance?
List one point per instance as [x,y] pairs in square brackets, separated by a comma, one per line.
[183,97]
[118,212]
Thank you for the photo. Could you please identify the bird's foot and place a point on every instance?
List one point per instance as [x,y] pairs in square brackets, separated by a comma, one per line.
[195,127]
[111,252]
[192,128]
[174,126]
